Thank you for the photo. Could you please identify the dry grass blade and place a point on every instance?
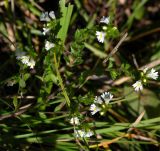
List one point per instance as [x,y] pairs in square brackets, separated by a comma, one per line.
[151,64]
[21,111]
[116,47]
[137,121]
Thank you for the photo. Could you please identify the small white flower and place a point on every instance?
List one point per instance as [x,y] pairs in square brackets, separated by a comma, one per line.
[25,59]
[89,133]
[153,74]
[79,133]
[107,97]
[47,16]
[20,54]
[31,63]
[48,45]
[74,121]
[82,133]
[52,14]
[100,36]
[98,100]
[94,109]
[46,30]
[44,17]
[138,86]
[105,20]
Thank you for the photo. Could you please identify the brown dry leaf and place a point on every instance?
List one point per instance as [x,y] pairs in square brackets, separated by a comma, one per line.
[121,81]
[122,2]
[11,35]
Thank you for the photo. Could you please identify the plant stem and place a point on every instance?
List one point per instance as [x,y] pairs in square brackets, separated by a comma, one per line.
[61,81]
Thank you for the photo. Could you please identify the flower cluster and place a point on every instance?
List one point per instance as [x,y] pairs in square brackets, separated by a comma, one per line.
[80,133]
[74,121]
[47,17]
[101,103]
[152,74]
[25,59]
[101,34]
[83,133]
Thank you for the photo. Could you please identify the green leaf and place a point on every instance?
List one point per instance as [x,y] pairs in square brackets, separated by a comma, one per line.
[139,13]
[137,8]
[96,51]
[81,35]
[22,83]
[65,20]
[15,102]
[113,74]
[26,76]
[39,77]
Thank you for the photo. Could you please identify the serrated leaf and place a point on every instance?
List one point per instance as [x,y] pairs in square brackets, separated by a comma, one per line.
[113,74]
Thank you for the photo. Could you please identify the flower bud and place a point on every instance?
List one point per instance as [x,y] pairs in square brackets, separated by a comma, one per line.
[104,27]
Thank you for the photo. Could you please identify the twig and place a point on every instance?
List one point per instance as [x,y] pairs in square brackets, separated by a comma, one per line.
[135,61]
[145,34]
[121,81]
[19,97]
[36,5]
[116,47]
[22,110]
[151,64]
[136,121]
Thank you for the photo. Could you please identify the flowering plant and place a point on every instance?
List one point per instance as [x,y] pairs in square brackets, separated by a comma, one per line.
[78,75]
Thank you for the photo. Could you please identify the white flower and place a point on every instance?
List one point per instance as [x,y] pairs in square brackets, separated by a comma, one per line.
[52,14]
[25,59]
[47,16]
[82,133]
[100,36]
[94,109]
[98,100]
[138,86]
[105,20]
[153,74]
[46,30]
[107,97]
[74,121]
[20,54]
[48,45]
[31,63]
[79,133]
[44,17]
[89,133]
